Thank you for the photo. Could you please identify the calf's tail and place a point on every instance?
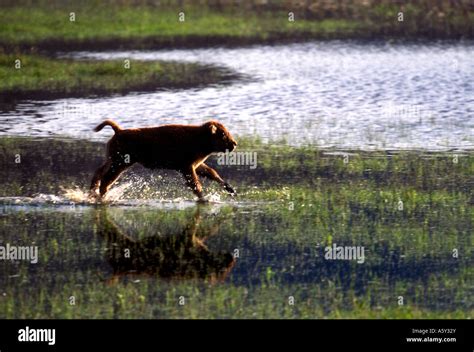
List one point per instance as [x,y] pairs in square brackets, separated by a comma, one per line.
[110,123]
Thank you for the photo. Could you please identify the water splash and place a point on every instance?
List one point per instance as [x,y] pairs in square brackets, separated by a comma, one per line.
[38,199]
[132,192]
[214,198]
[117,192]
[77,195]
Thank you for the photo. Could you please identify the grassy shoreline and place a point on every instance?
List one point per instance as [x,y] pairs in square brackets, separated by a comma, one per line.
[39,77]
[115,26]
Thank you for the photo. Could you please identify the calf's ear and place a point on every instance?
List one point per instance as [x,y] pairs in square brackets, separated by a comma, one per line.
[213,128]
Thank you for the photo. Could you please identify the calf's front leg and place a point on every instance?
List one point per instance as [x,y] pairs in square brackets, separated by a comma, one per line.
[212,174]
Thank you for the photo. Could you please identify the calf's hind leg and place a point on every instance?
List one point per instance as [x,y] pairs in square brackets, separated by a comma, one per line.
[111,175]
[98,176]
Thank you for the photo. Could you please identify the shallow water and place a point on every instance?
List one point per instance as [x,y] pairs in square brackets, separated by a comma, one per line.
[80,254]
[332,94]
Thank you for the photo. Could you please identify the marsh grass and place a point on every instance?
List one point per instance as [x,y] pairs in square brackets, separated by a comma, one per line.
[281,224]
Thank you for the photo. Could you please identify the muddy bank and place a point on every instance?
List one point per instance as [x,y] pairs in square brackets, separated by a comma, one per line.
[50,46]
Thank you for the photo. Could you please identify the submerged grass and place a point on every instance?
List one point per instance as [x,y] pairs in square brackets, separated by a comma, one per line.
[275,263]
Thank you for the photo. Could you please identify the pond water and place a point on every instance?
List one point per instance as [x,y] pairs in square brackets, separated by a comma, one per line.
[332,94]
[253,260]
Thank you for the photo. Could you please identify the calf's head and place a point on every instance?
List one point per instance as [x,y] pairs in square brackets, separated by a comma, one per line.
[220,137]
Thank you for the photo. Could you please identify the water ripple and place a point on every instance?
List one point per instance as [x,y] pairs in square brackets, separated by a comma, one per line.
[333,94]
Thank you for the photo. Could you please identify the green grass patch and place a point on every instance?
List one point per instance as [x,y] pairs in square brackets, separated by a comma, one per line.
[33,76]
[112,25]
[142,27]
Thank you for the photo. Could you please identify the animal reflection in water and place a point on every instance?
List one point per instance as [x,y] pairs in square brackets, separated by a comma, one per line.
[176,256]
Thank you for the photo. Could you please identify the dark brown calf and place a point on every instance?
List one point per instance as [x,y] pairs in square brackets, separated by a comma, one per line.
[184,148]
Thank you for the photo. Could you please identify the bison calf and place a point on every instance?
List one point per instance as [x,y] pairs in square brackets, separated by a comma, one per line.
[184,148]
